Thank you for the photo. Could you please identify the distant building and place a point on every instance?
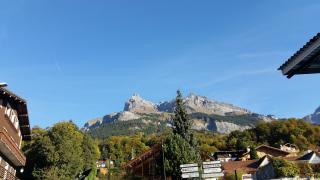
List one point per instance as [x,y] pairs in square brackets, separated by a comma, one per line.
[101,164]
[144,165]
[264,150]
[305,61]
[291,148]
[226,156]
[14,127]
[248,167]
[310,158]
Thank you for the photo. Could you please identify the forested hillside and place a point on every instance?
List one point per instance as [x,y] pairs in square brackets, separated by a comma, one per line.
[275,133]
[63,151]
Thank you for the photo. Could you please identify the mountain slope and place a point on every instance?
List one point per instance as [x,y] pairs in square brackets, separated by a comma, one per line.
[315,117]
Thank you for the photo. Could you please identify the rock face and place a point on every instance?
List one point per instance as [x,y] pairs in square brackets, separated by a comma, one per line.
[92,123]
[315,117]
[138,105]
[195,103]
[127,116]
[227,127]
[202,104]
[138,108]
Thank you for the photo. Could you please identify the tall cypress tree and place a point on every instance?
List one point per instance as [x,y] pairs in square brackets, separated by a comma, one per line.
[181,122]
[180,147]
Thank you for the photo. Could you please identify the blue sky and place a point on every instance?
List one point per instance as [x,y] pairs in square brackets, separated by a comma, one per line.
[83,59]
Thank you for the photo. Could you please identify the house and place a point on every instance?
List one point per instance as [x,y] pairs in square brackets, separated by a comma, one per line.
[248,167]
[226,156]
[144,165]
[310,158]
[305,61]
[267,171]
[14,127]
[264,150]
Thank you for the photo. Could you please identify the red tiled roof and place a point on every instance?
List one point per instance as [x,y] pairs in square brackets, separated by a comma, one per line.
[244,166]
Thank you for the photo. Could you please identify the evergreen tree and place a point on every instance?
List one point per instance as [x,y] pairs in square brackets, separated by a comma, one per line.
[181,122]
[253,153]
[180,147]
[178,151]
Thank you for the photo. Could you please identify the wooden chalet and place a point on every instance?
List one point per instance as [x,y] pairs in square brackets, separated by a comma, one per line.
[14,127]
[144,165]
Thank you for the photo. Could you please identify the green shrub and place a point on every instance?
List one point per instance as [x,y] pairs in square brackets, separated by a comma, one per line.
[284,168]
[306,170]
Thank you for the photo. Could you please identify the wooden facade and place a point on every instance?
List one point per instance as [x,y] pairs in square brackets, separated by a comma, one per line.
[14,127]
[145,164]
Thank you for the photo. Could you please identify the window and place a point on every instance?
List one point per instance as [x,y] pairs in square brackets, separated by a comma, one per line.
[16,122]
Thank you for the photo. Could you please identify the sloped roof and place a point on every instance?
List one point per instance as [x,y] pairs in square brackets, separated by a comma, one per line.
[308,156]
[270,148]
[305,60]
[249,166]
[145,155]
[22,111]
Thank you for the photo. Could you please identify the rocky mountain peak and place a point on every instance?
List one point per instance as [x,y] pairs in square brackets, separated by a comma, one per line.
[139,105]
[315,117]
[196,103]
[206,114]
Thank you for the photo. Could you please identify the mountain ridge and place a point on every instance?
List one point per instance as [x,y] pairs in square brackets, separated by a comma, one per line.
[207,114]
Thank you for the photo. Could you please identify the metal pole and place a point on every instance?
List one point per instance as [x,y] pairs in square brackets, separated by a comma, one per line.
[235,173]
[109,167]
[164,168]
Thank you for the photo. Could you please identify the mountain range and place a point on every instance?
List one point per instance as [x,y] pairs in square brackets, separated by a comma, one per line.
[142,115]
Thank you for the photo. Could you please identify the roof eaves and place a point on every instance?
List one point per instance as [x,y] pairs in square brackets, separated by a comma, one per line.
[315,38]
[6,91]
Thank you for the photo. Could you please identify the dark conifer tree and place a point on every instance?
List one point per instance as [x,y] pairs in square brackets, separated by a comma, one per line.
[181,122]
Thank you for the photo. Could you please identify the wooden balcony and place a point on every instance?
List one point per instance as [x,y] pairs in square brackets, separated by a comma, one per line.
[9,148]
[6,175]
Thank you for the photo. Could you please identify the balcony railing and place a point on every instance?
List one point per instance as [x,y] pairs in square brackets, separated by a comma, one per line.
[15,153]
[6,175]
